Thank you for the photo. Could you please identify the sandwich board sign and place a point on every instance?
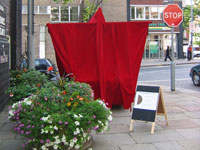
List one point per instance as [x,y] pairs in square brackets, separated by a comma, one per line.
[148,103]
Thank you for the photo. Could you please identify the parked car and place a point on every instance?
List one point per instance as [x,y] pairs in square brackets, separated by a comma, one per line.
[47,67]
[195,75]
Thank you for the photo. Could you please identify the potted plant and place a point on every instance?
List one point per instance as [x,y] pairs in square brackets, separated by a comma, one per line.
[59,116]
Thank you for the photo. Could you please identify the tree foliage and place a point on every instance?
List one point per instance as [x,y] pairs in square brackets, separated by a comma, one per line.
[87,8]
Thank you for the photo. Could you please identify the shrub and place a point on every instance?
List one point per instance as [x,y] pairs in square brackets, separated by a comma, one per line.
[23,83]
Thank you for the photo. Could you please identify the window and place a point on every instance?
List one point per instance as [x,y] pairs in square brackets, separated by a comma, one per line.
[24,10]
[55,13]
[42,42]
[74,14]
[154,12]
[64,14]
[139,12]
[132,12]
[36,10]
[146,12]
[43,9]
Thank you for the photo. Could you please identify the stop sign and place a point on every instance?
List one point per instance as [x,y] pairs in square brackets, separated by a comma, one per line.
[173,15]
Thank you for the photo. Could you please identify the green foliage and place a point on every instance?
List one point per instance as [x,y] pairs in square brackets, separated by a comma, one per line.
[59,116]
[23,83]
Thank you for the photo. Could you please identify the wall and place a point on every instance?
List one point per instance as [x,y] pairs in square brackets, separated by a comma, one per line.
[4,52]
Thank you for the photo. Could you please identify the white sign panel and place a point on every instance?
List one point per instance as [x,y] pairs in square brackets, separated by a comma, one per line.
[146,100]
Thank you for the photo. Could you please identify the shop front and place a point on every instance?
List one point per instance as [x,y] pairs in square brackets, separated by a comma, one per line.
[158,39]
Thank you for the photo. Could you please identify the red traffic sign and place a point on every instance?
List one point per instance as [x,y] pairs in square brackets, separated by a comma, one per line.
[173,15]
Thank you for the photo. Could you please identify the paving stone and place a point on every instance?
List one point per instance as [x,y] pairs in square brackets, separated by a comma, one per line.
[118,128]
[193,133]
[180,124]
[171,145]
[112,140]
[106,148]
[121,120]
[173,116]
[191,107]
[7,126]
[190,144]
[158,136]
[194,114]
[143,126]
[11,145]
[138,147]
[7,135]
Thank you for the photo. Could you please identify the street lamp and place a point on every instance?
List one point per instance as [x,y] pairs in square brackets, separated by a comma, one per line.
[191,30]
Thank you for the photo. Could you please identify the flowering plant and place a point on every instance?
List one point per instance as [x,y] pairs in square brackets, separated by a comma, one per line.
[24,82]
[59,116]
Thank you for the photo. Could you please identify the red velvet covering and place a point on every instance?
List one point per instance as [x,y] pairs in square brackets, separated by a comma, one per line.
[105,55]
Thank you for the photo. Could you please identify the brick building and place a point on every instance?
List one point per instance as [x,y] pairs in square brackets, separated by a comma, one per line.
[47,11]
[159,33]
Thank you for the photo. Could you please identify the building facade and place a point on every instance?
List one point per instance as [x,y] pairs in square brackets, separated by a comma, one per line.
[159,33]
[48,11]
[4,51]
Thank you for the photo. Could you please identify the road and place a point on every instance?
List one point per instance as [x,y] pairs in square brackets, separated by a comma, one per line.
[160,75]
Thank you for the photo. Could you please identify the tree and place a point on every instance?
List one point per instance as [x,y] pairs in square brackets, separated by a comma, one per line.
[87,8]
[187,17]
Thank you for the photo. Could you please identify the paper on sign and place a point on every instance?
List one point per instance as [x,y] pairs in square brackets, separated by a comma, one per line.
[146,100]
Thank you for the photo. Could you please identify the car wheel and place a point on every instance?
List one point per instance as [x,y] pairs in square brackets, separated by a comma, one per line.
[196,79]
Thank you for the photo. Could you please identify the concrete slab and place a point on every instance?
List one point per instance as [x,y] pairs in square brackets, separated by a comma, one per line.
[138,147]
[11,145]
[7,135]
[193,133]
[118,128]
[194,114]
[190,144]
[171,145]
[180,124]
[106,148]
[112,139]
[158,136]
[7,126]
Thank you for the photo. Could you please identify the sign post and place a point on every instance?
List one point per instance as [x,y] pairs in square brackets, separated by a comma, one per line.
[172,16]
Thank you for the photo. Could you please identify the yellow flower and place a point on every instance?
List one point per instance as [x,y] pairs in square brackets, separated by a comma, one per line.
[69,104]
[75,104]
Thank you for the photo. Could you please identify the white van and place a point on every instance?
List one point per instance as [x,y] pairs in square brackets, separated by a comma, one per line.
[196,50]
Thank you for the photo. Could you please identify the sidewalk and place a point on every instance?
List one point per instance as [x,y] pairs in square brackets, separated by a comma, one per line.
[183,132]
[161,62]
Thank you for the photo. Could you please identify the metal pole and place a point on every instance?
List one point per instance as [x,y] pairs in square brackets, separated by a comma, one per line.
[30,37]
[191,30]
[172,62]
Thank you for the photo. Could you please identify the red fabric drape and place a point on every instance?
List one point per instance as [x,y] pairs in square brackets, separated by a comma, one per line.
[105,55]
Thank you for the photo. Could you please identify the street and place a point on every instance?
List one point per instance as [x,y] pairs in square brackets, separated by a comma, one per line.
[160,75]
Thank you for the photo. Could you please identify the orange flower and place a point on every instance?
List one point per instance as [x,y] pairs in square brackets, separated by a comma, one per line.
[64,92]
[71,99]
[50,68]
[69,104]
[38,85]
[25,70]
[81,98]
[77,96]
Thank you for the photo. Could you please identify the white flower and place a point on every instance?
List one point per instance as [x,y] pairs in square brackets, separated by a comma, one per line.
[77,146]
[44,147]
[56,128]
[42,131]
[110,118]
[80,116]
[65,143]
[55,146]
[57,141]
[56,137]
[75,116]
[46,131]
[71,144]
[77,123]
[75,140]
[34,148]
[77,131]
[89,148]
[47,144]
[51,132]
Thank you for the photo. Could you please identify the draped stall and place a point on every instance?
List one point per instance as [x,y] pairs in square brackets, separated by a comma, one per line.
[106,55]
